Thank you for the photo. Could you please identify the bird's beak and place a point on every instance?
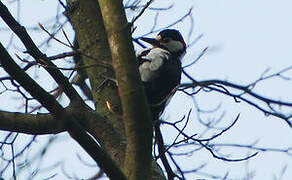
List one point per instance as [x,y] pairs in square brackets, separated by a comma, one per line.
[152,41]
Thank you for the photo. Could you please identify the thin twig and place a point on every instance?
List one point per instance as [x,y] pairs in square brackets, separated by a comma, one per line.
[142,12]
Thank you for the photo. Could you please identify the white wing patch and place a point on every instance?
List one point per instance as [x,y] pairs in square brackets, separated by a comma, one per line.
[149,70]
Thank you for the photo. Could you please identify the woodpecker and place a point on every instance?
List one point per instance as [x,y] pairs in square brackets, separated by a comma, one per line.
[160,67]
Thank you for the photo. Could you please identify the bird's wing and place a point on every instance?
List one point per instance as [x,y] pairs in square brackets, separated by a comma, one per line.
[151,62]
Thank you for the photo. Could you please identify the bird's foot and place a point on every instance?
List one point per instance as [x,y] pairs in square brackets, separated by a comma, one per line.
[105,82]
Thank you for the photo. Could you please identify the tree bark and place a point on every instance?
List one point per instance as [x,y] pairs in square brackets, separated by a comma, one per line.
[86,19]
[106,126]
[136,114]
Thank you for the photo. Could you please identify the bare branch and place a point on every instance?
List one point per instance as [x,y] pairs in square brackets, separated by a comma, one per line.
[142,11]
[245,90]
[197,59]
[161,150]
[38,55]
[47,100]
[30,123]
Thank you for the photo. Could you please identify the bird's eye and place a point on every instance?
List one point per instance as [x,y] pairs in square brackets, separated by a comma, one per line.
[166,40]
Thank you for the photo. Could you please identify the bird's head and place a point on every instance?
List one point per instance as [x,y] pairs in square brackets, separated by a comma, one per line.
[169,39]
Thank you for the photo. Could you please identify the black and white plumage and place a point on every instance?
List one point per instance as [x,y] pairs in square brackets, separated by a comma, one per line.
[160,67]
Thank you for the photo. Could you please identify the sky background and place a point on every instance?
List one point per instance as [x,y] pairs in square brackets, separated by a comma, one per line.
[245,37]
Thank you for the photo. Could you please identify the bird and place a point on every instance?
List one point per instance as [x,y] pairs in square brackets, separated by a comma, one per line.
[160,68]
